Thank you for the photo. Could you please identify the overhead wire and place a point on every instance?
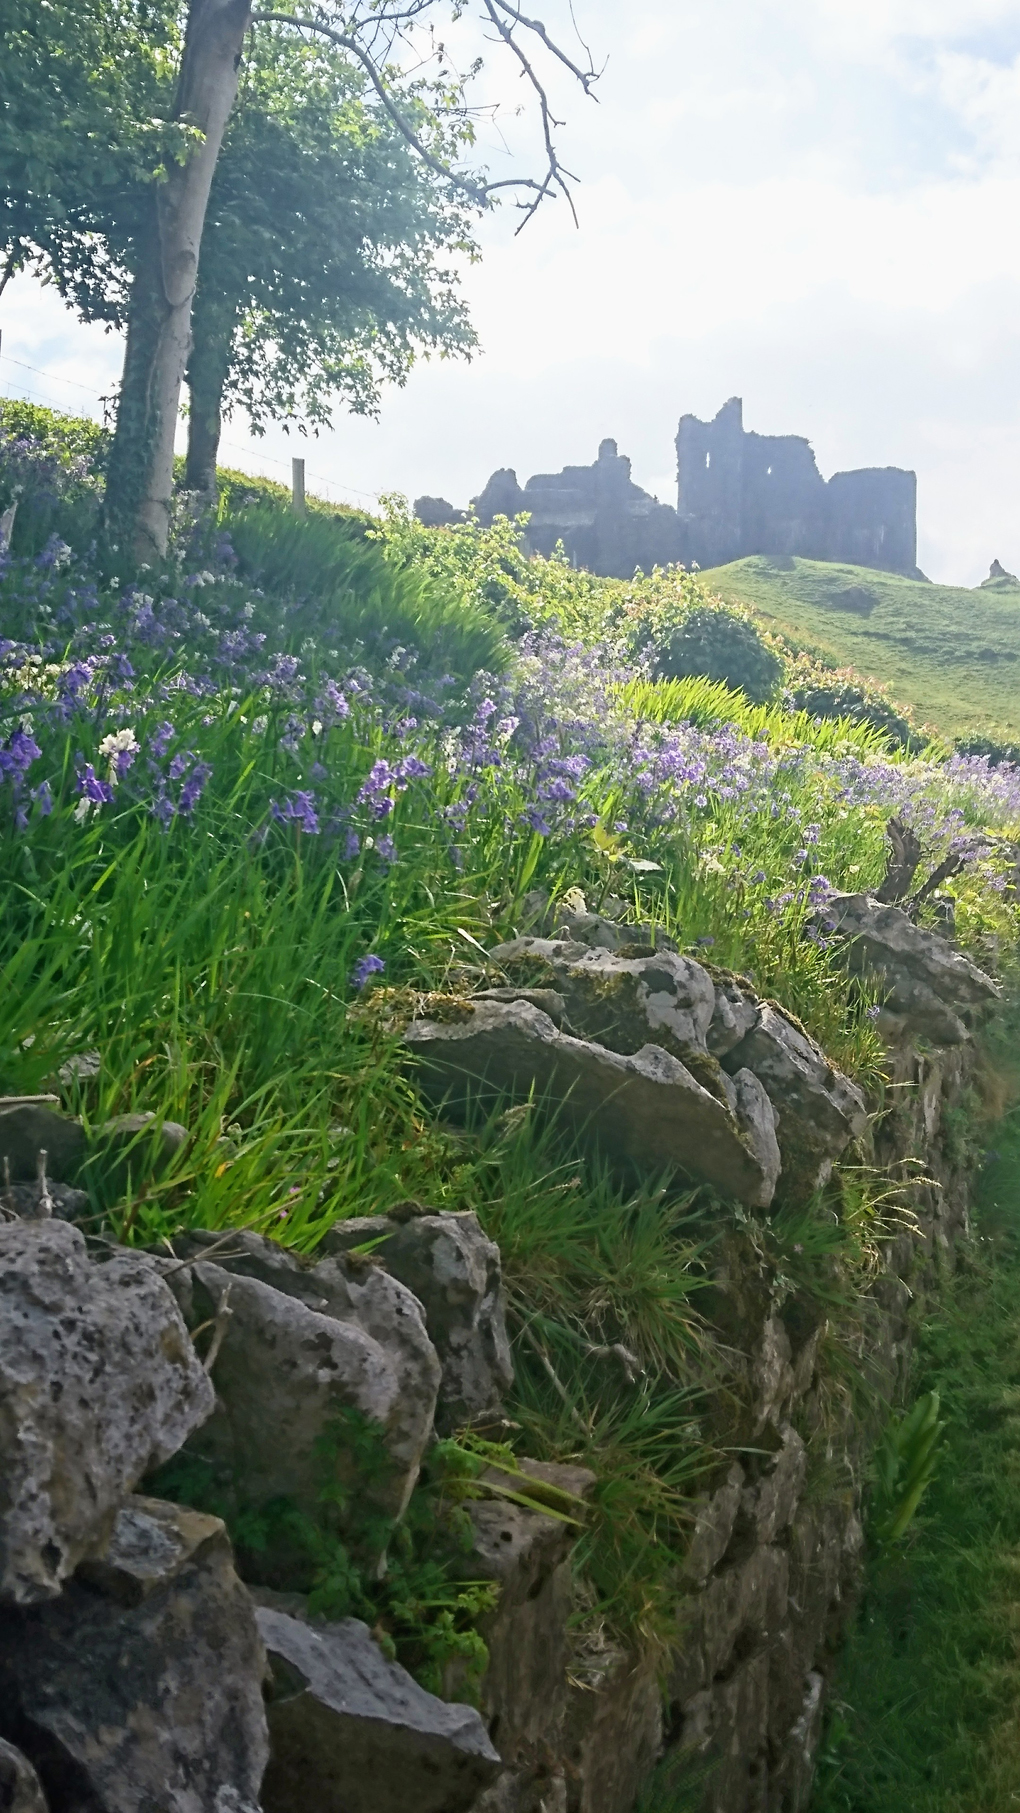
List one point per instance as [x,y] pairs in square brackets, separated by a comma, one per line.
[250,452]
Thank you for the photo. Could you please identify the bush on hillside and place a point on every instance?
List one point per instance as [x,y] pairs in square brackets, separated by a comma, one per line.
[825,692]
[997,753]
[717,644]
[50,467]
[488,566]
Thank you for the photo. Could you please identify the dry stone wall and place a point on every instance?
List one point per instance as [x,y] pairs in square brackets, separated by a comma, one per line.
[137,1669]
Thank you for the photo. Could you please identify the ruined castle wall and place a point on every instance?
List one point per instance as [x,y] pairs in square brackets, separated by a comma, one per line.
[738,493]
[742,493]
[873,518]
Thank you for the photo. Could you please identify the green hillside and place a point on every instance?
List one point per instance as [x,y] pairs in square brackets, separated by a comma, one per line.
[951,654]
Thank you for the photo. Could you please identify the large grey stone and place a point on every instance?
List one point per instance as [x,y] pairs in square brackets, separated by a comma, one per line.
[930,990]
[99,1382]
[306,1346]
[623,1002]
[453,1269]
[818,1109]
[20,1791]
[32,1124]
[141,1686]
[526,1553]
[353,1733]
[645,1109]
[133,1147]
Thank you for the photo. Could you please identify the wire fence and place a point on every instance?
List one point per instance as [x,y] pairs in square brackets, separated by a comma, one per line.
[33,395]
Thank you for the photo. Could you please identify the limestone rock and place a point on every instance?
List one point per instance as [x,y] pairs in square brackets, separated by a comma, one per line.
[20,1791]
[715,1517]
[736,1013]
[724,1732]
[647,1110]
[770,1505]
[141,1685]
[743,1605]
[30,1124]
[623,1002]
[25,1201]
[99,1382]
[818,1109]
[793,1781]
[613,1730]
[305,1347]
[453,1269]
[527,1553]
[353,1733]
[931,990]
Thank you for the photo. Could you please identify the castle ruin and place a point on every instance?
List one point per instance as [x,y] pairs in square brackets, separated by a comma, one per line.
[738,493]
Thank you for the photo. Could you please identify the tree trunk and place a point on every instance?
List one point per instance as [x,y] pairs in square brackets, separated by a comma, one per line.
[208,370]
[140,477]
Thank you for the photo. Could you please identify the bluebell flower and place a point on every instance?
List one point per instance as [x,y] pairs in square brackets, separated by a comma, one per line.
[364,968]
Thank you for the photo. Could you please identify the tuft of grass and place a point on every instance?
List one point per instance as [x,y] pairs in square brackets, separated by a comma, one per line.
[330,580]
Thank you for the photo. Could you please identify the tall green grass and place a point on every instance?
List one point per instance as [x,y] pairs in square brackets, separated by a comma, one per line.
[924,1702]
[325,579]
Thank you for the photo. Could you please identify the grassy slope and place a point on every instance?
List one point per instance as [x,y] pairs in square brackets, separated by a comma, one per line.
[950,653]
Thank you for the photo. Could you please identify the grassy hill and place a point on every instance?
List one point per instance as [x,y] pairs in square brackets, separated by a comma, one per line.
[951,654]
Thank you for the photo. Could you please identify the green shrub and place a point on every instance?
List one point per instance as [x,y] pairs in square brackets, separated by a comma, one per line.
[826,692]
[50,467]
[720,645]
[997,751]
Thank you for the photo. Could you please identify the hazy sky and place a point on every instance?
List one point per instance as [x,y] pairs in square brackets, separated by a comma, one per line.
[814,204]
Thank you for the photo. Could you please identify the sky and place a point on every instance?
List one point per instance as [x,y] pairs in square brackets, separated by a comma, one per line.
[812,204]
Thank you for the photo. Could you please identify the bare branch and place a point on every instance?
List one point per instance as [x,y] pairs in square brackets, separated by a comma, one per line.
[555,176]
[477,191]
[505,17]
[586,77]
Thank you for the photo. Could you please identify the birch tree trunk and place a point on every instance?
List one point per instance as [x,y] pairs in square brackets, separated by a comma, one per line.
[140,476]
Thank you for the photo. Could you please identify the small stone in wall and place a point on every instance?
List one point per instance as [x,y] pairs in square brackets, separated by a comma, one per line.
[352,1732]
[454,1271]
[20,1791]
[818,1109]
[930,990]
[99,1382]
[142,1683]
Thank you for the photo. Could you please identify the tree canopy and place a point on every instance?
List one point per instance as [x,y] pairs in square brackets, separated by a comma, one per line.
[337,183]
[85,92]
[325,262]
